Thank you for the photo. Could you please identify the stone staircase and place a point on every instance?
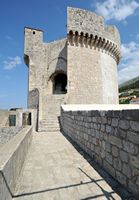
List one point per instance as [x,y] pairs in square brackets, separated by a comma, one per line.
[51,124]
[50,121]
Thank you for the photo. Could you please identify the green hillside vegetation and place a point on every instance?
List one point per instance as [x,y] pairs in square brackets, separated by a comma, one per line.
[132,84]
[129,89]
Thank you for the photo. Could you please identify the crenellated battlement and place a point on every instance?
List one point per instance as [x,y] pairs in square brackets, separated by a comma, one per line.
[88,29]
[95,42]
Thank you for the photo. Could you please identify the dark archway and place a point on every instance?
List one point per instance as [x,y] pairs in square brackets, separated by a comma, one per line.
[60,84]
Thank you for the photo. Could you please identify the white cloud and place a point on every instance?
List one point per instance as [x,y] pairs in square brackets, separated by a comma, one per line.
[11,62]
[137,37]
[8,37]
[129,67]
[116,9]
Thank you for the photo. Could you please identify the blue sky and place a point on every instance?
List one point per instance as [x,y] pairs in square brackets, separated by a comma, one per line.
[50,16]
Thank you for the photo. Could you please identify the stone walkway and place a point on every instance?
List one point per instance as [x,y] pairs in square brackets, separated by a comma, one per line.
[55,170]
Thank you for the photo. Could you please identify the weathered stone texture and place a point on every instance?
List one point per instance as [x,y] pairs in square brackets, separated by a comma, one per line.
[88,22]
[117,153]
[6,133]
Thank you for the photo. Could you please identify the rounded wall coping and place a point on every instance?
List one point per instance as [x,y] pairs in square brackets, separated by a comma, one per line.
[99,107]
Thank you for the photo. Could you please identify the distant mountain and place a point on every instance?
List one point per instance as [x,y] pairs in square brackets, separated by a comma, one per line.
[131,84]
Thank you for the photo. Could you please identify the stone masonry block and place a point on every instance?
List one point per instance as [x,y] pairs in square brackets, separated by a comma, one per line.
[97,150]
[121,178]
[104,120]
[102,128]
[130,147]
[123,156]
[134,160]
[109,121]
[122,133]
[109,158]
[103,144]
[135,126]
[124,124]
[101,135]
[126,170]
[115,141]
[117,164]
[108,147]
[115,151]
[102,154]
[133,137]
[109,168]
[134,188]
[108,129]
[115,122]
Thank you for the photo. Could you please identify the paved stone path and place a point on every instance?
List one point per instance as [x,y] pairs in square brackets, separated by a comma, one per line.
[55,170]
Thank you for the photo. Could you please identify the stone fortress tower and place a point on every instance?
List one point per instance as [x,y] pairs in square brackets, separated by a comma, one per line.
[79,69]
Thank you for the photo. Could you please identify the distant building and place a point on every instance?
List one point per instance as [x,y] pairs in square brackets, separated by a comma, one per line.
[134,101]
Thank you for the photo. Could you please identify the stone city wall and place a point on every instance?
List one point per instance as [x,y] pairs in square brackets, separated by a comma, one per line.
[12,156]
[110,136]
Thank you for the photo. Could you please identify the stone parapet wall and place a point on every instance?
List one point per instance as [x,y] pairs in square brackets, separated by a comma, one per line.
[6,133]
[110,137]
[12,156]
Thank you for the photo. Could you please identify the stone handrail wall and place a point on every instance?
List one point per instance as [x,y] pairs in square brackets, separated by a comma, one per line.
[110,137]
[12,156]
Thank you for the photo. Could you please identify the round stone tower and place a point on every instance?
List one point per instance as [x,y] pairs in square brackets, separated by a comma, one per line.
[93,53]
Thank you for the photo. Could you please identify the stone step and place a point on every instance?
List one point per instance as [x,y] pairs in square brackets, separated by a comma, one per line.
[48,118]
[50,125]
[43,129]
[50,122]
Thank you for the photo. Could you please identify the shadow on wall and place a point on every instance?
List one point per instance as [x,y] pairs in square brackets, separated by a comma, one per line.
[59,63]
[57,70]
[33,102]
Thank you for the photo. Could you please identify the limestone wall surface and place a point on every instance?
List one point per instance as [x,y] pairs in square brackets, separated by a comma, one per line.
[88,22]
[92,76]
[12,156]
[93,53]
[110,136]
[4,117]
[44,60]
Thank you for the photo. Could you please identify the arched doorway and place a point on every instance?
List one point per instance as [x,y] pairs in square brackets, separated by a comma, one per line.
[60,84]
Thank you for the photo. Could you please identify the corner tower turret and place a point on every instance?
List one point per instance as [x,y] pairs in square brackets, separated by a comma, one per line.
[93,55]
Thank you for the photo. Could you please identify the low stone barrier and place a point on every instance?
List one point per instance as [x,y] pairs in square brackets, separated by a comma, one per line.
[110,135]
[12,156]
[6,133]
